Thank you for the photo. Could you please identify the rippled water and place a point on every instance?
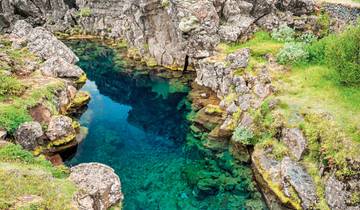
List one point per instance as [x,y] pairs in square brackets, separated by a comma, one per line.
[137,126]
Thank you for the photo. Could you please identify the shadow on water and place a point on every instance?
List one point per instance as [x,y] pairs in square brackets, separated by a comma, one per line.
[137,125]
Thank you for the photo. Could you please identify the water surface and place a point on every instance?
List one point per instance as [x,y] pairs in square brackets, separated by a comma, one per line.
[137,126]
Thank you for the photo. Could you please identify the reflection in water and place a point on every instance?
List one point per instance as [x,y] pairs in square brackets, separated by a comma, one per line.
[137,126]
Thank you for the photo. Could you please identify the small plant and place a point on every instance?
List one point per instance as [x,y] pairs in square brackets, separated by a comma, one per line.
[308,38]
[292,53]
[324,24]
[243,136]
[10,86]
[85,12]
[284,34]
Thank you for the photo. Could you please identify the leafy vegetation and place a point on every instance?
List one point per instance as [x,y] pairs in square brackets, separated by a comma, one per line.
[283,34]
[243,136]
[293,52]
[22,174]
[344,55]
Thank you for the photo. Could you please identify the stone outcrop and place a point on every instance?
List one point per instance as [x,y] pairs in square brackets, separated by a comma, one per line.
[56,14]
[29,134]
[295,140]
[99,186]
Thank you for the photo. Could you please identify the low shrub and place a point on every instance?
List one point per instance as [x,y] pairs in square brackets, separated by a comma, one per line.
[293,52]
[307,38]
[344,55]
[284,34]
[244,136]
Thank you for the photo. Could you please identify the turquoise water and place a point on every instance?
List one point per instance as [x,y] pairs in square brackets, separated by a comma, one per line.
[137,125]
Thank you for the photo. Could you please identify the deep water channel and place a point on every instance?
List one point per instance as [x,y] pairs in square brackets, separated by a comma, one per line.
[136,124]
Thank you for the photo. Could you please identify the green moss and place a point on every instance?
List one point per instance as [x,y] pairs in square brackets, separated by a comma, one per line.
[84,12]
[15,113]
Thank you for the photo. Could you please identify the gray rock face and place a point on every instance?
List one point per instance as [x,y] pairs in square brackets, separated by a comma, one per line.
[58,67]
[60,127]
[335,194]
[28,135]
[295,141]
[49,12]
[239,59]
[99,186]
[301,181]
[41,42]
[46,45]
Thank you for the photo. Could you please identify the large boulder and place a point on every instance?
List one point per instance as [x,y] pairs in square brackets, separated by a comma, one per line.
[58,67]
[46,46]
[61,127]
[29,134]
[99,186]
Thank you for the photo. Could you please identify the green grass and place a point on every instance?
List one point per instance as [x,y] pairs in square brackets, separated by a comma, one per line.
[260,45]
[316,88]
[22,174]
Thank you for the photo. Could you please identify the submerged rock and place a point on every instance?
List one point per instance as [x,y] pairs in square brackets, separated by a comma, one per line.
[99,186]
[28,135]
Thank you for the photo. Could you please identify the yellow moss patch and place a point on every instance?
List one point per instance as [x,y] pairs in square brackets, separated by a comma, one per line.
[82,79]
[81,99]
[213,109]
[62,141]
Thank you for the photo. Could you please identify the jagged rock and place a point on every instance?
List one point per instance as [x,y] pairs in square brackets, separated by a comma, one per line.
[301,181]
[28,135]
[298,7]
[46,46]
[60,127]
[21,29]
[335,194]
[239,59]
[58,67]
[99,186]
[295,141]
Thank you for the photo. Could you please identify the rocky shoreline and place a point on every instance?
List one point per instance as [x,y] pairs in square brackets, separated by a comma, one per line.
[186,36]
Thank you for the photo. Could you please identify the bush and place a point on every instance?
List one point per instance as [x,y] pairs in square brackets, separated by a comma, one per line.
[10,86]
[308,38]
[344,55]
[292,53]
[283,33]
[317,49]
[243,136]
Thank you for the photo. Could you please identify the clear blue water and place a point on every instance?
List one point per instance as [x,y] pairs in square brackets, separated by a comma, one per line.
[137,125]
